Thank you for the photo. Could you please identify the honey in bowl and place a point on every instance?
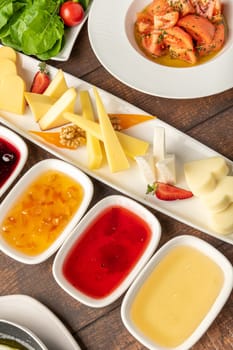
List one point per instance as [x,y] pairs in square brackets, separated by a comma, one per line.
[176,296]
[41,213]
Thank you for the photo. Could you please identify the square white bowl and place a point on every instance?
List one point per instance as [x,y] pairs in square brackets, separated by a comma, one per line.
[107,202]
[13,139]
[220,300]
[21,186]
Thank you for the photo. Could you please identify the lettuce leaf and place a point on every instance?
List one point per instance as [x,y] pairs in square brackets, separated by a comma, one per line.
[32,26]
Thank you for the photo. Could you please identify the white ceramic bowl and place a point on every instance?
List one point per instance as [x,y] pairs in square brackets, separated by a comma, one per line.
[15,140]
[21,186]
[13,332]
[152,266]
[108,202]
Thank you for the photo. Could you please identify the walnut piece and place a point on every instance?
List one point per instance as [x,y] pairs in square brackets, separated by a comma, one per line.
[72,136]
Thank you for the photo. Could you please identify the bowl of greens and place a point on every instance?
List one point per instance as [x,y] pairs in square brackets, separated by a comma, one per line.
[35,27]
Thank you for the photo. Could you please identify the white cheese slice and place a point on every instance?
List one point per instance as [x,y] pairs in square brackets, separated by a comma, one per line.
[147,168]
[202,175]
[159,147]
[166,171]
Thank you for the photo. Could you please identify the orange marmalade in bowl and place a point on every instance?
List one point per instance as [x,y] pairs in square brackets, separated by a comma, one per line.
[181,33]
[41,213]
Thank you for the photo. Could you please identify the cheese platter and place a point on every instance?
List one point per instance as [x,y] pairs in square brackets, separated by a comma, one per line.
[130,181]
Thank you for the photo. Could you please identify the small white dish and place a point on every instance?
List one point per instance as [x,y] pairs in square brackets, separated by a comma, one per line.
[17,142]
[21,186]
[94,213]
[19,335]
[117,51]
[34,315]
[71,35]
[224,269]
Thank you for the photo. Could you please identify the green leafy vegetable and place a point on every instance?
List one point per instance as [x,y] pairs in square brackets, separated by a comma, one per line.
[32,26]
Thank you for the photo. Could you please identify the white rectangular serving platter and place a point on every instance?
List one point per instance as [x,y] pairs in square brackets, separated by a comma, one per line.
[130,182]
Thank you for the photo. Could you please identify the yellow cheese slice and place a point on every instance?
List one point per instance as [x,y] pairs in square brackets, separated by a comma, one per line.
[57,86]
[94,149]
[7,67]
[132,146]
[12,89]
[8,52]
[54,116]
[116,156]
[39,104]
[203,175]
[221,197]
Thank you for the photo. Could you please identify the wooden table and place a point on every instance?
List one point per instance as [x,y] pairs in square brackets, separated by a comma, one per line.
[209,120]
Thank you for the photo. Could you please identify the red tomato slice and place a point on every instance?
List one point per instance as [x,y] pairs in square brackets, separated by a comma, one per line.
[180,44]
[165,21]
[200,28]
[153,45]
[144,23]
[216,44]
[159,7]
[72,13]
[183,6]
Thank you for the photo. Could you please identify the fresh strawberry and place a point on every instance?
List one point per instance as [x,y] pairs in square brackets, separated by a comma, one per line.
[41,79]
[168,192]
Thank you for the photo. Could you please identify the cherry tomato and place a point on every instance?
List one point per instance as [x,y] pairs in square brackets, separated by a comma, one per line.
[72,13]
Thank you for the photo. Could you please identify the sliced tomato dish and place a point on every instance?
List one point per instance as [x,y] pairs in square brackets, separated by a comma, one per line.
[184,30]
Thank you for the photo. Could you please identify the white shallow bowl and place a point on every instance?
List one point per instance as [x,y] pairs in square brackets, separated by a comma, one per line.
[135,70]
[15,140]
[115,200]
[21,186]
[222,297]
[25,337]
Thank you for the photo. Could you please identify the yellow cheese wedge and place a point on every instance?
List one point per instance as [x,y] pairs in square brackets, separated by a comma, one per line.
[221,197]
[132,146]
[54,116]
[94,149]
[222,222]
[57,86]
[39,104]
[12,89]
[7,67]
[8,52]
[116,156]
[202,175]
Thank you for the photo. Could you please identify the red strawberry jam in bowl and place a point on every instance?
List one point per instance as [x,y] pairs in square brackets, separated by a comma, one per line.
[106,251]
[13,155]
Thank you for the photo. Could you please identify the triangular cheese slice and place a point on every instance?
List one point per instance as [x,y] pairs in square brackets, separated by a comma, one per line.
[132,146]
[57,86]
[39,104]
[54,116]
[94,150]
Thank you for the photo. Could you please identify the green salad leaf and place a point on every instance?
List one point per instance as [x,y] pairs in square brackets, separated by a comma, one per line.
[32,26]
